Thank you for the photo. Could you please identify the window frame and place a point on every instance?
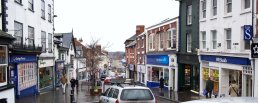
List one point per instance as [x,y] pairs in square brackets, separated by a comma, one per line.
[203,40]
[31,5]
[5,66]
[44,41]
[49,13]
[227,6]
[188,42]
[143,42]
[161,40]
[228,47]
[50,43]
[151,41]
[43,9]
[213,39]
[244,4]
[214,7]
[17,30]
[169,39]
[189,14]
[29,34]
[203,8]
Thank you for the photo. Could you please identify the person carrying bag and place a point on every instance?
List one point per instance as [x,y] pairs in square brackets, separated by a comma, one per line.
[233,89]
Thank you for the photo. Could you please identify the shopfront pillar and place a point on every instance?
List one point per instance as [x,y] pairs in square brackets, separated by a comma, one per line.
[256,79]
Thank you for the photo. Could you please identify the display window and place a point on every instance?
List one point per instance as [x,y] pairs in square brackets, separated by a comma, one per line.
[45,77]
[214,74]
[205,73]
[27,75]
[3,65]
[149,73]
[155,74]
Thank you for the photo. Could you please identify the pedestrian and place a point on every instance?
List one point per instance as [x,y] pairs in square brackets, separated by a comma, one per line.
[63,83]
[77,83]
[233,89]
[72,81]
[209,87]
[161,84]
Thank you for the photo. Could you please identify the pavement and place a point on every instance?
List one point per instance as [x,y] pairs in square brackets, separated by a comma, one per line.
[56,96]
[177,97]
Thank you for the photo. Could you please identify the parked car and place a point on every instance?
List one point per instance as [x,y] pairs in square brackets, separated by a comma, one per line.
[127,94]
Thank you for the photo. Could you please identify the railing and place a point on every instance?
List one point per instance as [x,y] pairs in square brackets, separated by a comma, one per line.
[20,46]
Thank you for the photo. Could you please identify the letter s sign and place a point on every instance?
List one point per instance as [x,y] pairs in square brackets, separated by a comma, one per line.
[248,32]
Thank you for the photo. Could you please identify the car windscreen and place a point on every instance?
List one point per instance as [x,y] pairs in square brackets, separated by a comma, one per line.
[136,94]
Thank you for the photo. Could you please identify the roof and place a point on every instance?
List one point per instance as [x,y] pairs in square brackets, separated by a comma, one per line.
[6,35]
[131,44]
[162,22]
[66,38]
[131,38]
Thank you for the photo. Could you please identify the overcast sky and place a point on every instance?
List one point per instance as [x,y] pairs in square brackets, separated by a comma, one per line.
[111,21]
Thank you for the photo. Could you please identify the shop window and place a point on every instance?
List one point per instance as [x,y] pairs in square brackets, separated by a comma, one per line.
[155,74]
[214,74]
[3,64]
[166,77]
[27,75]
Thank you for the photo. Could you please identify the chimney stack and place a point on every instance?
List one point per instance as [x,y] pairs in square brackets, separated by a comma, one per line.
[139,29]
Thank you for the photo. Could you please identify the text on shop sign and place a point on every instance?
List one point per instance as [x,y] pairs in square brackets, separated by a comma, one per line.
[223,60]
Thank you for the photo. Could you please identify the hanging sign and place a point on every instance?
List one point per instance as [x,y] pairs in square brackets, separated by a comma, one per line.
[248,32]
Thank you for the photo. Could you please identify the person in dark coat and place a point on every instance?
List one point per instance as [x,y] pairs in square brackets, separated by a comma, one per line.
[161,84]
[209,87]
[73,82]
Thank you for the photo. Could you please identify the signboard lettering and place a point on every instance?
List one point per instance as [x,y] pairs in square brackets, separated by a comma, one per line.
[248,32]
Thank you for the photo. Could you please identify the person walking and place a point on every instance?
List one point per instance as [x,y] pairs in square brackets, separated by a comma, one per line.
[161,84]
[233,89]
[72,81]
[77,84]
[209,87]
[63,83]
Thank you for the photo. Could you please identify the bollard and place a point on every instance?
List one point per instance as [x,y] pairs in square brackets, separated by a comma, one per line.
[71,98]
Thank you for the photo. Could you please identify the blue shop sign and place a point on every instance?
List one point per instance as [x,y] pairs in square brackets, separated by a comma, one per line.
[158,60]
[225,59]
[22,58]
[248,32]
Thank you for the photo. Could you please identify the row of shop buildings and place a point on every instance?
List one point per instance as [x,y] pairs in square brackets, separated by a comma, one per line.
[32,57]
[207,39]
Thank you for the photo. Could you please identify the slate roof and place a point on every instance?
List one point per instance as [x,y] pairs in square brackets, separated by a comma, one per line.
[66,39]
[131,44]
[5,35]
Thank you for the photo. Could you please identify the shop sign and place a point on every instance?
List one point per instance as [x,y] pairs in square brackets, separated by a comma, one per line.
[22,58]
[225,59]
[248,32]
[158,60]
[254,50]
[172,62]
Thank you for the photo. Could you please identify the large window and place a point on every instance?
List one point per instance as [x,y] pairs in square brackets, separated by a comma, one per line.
[31,5]
[27,75]
[228,38]
[30,35]
[161,40]
[18,32]
[214,7]
[49,42]
[174,38]
[49,12]
[43,41]
[189,42]
[214,39]
[203,5]
[3,65]
[203,40]
[43,9]
[169,39]
[189,14]
[228,6]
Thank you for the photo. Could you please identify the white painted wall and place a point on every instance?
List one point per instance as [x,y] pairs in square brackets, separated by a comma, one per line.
[9,94]
[234,20]
[22,14]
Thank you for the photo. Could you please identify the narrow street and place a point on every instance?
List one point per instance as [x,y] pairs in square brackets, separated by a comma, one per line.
[82,96]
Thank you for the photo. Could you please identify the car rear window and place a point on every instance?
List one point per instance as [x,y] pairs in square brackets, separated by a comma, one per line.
[136,94]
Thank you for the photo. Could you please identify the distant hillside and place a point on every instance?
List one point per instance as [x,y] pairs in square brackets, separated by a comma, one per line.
[116,55]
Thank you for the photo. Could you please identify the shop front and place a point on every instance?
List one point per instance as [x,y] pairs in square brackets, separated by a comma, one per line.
[159,66]
[23,73]
[188,73]
[46,73]
[141,73]
[59,71]
[223,70]
[131,71]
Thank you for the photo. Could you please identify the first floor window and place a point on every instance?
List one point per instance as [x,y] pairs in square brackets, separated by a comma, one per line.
[43,40]
[214,39]
[203,39]
[247,4]
[151,42]
[169,39]
[18,33]
[247,45]
[49,42]
[189,42]
[3,73]
[31,36]
[228,38]
[161,40]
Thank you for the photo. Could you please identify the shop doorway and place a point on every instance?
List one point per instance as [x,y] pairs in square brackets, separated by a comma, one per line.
[248,85]
[187,75]
[237,76]
[195,79]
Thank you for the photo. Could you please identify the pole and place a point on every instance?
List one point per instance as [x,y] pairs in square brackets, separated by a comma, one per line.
[253,59]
